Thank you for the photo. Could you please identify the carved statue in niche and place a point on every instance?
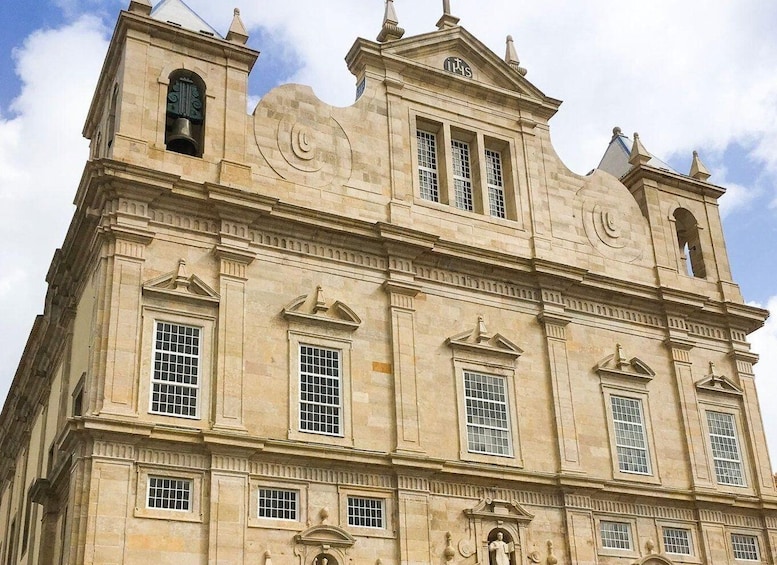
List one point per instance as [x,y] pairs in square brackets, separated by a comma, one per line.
[501,551]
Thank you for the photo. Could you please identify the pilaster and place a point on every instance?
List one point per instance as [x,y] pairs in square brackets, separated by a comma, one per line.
[234,257]
[554,324]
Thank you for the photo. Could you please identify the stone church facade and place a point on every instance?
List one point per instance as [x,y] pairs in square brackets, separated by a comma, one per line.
[401,332]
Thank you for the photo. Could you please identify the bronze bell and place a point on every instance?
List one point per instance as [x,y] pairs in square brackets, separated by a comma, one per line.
[181,138]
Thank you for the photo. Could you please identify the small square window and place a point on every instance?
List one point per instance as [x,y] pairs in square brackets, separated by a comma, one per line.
[615,535]
[278,504]
[745,547]
[167,493]
[366,512]
[677,541]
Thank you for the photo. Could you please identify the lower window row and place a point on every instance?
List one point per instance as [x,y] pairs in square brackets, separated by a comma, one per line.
[176,494]
[617,536]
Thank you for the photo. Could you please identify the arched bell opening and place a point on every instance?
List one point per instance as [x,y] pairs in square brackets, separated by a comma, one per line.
[185,115]
[689,244]
[501,547]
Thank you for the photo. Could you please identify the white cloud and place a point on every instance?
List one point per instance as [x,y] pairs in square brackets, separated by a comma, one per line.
[42,154]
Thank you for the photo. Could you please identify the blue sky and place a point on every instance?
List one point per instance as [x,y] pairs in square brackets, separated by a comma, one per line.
[693,75]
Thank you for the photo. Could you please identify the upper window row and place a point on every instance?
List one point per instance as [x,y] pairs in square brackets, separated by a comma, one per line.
[485,397]
[464,169]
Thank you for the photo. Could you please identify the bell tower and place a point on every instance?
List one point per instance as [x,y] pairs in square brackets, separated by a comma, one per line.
[169,86]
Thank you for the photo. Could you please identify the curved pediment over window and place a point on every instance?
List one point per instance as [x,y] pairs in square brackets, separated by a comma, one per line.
[181,285]
[480,340]
[500,511]
[654,560]
[618,365]
[718,383]
[314,309]
[325,535]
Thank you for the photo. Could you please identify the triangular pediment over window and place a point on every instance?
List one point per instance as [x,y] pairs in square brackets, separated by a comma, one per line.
[618,365]
[325,535]
[181,285]
[499,511]
[315,309]
[479,340]
[718,383]
[452,58]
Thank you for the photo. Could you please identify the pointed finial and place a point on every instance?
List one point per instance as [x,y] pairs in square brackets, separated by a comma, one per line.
[698,170]
[320,305]
[390,30]
[483,334]
[639,155]
[237,31]
[140,7]
[447,20]
[511,57]
[181,276]
[620,358]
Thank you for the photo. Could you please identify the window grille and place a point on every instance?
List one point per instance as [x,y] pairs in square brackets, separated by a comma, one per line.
[678,541]
[615,535]
[745,547]
[168,493]
[278,504]
[175,381]
[427,165]
[630,440]
[320,398]
[488,428]
[495,182]
[725,449]
[365,512]
[462,175]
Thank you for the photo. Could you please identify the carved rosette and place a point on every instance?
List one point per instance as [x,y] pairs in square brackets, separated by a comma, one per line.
[613,223]
[301,139]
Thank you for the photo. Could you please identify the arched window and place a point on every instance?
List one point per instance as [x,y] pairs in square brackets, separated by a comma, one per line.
[111,127]
[185,116]
[691,257]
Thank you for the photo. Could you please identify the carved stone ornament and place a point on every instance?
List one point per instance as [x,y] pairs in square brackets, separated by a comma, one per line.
[479,340]
[618,365]
[313,309]
[489,515]
[179,284]
[718,383]
[323,545]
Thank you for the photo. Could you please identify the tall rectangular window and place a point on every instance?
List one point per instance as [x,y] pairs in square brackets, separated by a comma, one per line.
[320,394]
[677,541]
[168,493]
[175,381]
[725,449]
[366,512]
[279,504]
[745,547]
[488,425]
[615,535]
[427,165]
[630,438]
[462,175]
[495,182]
